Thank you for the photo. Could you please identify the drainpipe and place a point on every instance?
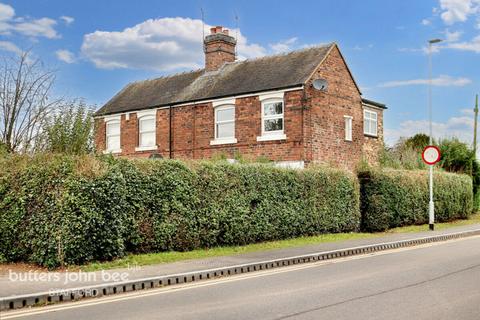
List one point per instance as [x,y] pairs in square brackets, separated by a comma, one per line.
[170,137]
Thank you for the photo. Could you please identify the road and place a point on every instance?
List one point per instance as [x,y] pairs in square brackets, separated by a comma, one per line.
[439,281]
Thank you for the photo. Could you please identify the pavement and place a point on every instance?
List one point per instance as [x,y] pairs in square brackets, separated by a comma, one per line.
[434,281]
[17,282]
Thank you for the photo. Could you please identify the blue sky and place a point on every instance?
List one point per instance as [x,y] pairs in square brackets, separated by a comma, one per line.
[97,47]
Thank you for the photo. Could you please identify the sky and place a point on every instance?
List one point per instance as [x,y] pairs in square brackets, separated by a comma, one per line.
[97,47]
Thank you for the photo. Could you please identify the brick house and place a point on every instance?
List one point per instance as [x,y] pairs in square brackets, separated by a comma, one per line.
[295,109]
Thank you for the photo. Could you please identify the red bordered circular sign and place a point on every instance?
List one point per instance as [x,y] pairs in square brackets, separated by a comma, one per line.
[431,155]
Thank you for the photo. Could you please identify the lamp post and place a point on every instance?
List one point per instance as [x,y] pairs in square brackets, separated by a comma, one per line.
[431,207]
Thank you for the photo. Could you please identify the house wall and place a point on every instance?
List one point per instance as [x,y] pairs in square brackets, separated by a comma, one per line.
[325,117]
[372,146]
[193,129]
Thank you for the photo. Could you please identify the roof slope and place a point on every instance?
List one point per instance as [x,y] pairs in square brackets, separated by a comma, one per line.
[267,73]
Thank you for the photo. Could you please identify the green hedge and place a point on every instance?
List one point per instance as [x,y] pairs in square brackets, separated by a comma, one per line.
[393,198]
[71,210]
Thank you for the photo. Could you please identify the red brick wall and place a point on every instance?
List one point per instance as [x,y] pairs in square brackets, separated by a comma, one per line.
[100,134]
[193,129]
[373,145]
[325,123]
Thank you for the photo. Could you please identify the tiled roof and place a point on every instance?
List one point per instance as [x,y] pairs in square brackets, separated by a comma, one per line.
[243,77]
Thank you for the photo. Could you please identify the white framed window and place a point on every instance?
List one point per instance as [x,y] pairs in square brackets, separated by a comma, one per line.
[224,124]
[112,138]
[348,127]
[146,133]
[273,124]
[370,122]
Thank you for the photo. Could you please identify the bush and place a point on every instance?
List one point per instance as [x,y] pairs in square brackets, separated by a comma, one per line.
[57,209]
[393,198]
[53,210]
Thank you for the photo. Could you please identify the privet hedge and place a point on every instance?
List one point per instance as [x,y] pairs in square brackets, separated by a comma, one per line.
[70,210]
[392,198]
[58,209]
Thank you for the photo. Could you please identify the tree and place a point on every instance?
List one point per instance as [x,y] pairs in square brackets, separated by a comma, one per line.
[70,130]
[24,101]
[456,156]
[418,142]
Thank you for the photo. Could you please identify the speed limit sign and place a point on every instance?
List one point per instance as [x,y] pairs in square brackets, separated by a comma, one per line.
[431,155]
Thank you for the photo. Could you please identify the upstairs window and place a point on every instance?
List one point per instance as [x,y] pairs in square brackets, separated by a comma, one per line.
[370,123]
[113,136]
[272,117]
[146,132]
[348,128]
[225,122]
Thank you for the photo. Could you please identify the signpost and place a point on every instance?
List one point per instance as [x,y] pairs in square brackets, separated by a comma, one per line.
[431,155]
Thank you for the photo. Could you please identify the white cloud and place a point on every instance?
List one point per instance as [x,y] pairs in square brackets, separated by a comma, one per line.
[467,112]
[458,10]
[426,22]
[473,45]
[441,81]
[6,12]
[452,36]
[65,56]
[9,46]
[157,44]
[67,20]
[460,127]
[42,27]
[362,48]
[283,46]
[425,49]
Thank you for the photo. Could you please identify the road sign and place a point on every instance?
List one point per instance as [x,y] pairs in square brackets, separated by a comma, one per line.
[431,155]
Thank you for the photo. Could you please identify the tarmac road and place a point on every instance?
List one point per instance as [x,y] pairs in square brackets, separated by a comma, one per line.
[436,281]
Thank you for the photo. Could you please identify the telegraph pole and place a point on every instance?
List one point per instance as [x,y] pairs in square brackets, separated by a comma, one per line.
[475,128]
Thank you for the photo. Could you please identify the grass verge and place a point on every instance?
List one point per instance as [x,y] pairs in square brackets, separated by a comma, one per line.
[172,256]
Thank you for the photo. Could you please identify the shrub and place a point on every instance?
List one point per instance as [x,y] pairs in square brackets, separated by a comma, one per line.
[52,213]
[393,198]
[57,209]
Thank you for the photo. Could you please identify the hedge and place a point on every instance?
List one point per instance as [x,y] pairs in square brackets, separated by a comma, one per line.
[57,209]
[393,198]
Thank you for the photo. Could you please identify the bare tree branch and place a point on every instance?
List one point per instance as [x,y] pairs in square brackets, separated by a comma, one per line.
[25,102]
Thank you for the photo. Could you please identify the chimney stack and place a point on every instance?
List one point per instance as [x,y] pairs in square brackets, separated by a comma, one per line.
[219,48]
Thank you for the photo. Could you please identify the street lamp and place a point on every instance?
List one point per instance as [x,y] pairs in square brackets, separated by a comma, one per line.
[431,207]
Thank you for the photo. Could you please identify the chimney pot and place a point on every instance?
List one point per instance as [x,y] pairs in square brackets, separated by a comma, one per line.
[219,29]
[225,32]
[213,30]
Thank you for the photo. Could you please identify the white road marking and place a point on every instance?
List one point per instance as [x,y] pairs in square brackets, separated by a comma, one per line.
[207,283]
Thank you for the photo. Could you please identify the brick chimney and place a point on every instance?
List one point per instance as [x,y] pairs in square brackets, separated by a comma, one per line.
[219,48]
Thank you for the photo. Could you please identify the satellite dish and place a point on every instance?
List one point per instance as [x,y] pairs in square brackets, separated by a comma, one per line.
[320,84]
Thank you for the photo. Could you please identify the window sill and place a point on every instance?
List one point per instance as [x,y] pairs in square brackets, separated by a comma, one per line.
[112,151]
[279,136]
[371,135]
[148,148]
[223,141]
